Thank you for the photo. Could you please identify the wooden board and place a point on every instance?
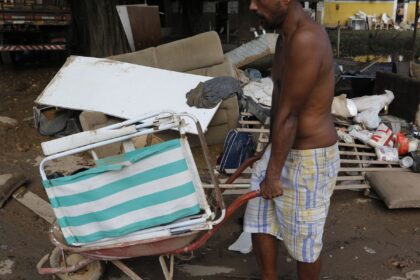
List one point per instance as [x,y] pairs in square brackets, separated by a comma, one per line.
[123,90]
[123,15]
[145,25]
[36,204]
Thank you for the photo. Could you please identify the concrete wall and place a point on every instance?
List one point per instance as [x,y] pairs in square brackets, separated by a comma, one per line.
[340,11]
[411,11]
[336,11]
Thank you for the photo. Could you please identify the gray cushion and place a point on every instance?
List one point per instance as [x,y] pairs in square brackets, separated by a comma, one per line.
[397,189]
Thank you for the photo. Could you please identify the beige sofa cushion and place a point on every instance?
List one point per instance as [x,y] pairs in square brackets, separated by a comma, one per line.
[224,69]
[200,51]
[145,57]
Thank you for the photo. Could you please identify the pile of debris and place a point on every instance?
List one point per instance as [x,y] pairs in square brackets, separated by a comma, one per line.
[364,21]
[392,138]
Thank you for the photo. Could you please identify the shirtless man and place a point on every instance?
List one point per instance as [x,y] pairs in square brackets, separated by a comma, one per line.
[297,173]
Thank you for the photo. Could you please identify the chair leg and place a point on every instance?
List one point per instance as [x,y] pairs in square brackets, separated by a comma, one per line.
[127,270]
[169,273]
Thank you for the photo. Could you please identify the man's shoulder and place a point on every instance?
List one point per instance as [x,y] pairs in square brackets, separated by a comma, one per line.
[310,35]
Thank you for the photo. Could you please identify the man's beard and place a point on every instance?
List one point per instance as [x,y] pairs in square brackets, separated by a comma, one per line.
[267,24]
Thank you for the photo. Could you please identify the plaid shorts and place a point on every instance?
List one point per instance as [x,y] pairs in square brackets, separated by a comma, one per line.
[298,217]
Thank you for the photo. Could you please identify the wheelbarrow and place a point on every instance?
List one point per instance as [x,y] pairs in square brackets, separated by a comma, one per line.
[81,241]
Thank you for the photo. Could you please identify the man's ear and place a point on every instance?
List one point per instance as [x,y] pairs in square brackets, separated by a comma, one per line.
[284,2]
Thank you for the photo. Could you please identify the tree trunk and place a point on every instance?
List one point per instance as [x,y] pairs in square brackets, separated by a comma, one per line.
[97,28]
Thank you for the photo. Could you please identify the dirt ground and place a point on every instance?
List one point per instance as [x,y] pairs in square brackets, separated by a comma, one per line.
[363,239]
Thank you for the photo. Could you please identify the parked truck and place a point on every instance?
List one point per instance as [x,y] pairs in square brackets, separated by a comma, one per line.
[34,25]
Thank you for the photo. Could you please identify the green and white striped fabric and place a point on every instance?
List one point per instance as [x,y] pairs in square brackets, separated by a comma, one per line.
[141,189]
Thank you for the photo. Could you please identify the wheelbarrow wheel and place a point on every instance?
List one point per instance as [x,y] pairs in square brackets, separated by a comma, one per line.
[185,257]
[92,271]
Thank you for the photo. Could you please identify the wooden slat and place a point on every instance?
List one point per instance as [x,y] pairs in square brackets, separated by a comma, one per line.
[235,192]
[246,114]
[353,145]
[371,169]
[253,130]
[351,187]
[246,171]
[228,186]
[355,161]
[237,181]
[36,204]
[344,153]
[350,178]
[250,122]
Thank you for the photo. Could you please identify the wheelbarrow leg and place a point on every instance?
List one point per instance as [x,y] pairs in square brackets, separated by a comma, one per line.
[126,270]
[169,273]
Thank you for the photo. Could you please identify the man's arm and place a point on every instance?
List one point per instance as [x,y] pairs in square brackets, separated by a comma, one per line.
[302,65]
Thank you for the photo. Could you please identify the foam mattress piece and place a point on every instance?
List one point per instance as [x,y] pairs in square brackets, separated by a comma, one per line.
[396,189]
[123,90]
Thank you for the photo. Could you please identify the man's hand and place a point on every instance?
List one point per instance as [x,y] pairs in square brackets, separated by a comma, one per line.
[271,188]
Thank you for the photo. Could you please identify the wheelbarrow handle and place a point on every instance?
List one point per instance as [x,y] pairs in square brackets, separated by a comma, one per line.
[247,163]
[41,263]
[230,210]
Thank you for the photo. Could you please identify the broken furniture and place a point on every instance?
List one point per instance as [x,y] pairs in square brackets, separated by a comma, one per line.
[357,23]
[201,55]
[117,217]
[356,160]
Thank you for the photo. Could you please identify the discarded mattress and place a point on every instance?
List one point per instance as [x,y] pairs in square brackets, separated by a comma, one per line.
[260,48]
[123,90]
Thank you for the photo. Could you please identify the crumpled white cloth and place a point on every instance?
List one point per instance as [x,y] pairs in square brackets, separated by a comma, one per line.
[261,91]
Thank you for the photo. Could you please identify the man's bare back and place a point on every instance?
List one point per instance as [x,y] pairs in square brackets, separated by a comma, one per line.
[315,126]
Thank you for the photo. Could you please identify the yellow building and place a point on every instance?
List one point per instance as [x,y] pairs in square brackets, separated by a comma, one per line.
[334,12]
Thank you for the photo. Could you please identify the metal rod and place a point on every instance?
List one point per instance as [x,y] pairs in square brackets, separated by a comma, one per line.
[168,273]
[213,176]
[99,144]
[227,31]
[416,19]
[338,40]
[230,210]
[135,120]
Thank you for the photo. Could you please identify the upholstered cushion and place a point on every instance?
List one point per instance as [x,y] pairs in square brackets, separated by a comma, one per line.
[224,69]
[397,189]
[145,57]
[203,50]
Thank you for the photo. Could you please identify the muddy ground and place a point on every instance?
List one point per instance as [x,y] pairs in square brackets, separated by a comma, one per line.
[363,239]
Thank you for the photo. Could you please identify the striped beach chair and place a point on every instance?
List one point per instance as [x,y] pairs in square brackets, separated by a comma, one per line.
[144,193]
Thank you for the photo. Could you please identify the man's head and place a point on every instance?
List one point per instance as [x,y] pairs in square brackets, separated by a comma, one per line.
[273,12]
